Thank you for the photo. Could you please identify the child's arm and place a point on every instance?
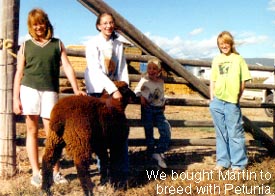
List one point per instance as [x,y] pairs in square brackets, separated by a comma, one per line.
[212,87]
[241,90]
[69,71]
[17,106]
[143,101]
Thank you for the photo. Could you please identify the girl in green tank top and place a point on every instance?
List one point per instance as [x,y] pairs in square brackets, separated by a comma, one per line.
[39,61]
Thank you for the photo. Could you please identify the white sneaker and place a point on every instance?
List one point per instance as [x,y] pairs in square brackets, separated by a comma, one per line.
[59,179]
[36,180]
[162,156]
[160,160]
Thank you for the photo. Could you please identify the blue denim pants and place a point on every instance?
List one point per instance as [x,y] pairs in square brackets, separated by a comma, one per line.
[230,138]
[151,116]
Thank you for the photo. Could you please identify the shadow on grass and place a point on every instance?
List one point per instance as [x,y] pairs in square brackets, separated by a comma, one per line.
[143,169]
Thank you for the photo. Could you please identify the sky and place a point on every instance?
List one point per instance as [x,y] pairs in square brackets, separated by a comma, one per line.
[185,29]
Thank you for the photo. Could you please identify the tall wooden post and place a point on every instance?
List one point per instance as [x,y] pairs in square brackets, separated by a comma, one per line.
[9,22]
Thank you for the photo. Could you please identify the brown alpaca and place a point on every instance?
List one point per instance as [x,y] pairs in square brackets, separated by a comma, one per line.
[84,124]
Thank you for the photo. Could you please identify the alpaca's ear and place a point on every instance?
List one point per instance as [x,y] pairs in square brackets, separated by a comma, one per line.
[120,84]
[114,104]
[128,95]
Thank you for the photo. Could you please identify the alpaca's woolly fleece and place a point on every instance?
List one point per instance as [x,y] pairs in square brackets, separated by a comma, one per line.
[84,124]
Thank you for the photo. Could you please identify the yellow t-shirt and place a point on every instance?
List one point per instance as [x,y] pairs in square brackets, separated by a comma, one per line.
[228,72]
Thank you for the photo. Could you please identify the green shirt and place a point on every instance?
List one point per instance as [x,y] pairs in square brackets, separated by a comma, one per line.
[42,67]
[228,72]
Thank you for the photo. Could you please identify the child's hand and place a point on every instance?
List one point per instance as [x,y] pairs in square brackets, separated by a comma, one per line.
[143,101]
[17,107]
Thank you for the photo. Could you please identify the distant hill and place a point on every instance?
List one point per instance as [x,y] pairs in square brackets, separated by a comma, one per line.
[204,72]
[255,61]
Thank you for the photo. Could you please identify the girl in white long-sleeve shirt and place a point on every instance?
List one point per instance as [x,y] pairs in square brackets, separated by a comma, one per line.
[106,63]
[98,75]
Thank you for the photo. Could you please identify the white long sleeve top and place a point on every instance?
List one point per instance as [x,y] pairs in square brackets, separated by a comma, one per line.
[152,91]
[96,78]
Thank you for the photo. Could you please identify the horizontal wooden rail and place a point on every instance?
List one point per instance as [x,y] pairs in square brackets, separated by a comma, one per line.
[21,141]
[174,123]
[205,103]
[197,123]
[190,142]
[180,80]
[195,63]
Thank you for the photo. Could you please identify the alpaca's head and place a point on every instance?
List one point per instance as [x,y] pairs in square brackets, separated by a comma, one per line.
[128,96]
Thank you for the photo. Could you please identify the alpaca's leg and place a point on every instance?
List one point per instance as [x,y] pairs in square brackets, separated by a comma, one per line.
[82,167]
[119,164]
[52,154]
[102,153]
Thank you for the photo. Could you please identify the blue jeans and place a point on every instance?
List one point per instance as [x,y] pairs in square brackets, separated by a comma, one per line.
[151,116]
[230,139]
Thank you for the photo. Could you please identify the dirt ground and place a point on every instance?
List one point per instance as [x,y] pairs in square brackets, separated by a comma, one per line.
[183,157]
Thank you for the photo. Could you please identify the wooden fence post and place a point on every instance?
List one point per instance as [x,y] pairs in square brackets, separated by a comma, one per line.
[9,21]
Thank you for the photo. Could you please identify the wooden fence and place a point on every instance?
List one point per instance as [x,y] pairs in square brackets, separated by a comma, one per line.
[260,136]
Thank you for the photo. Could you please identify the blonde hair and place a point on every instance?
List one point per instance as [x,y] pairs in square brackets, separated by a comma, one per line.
[226,37]
[157,63]
[154,61]
[38,16]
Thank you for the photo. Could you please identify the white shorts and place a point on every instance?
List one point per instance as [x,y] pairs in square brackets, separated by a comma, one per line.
[36,102]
